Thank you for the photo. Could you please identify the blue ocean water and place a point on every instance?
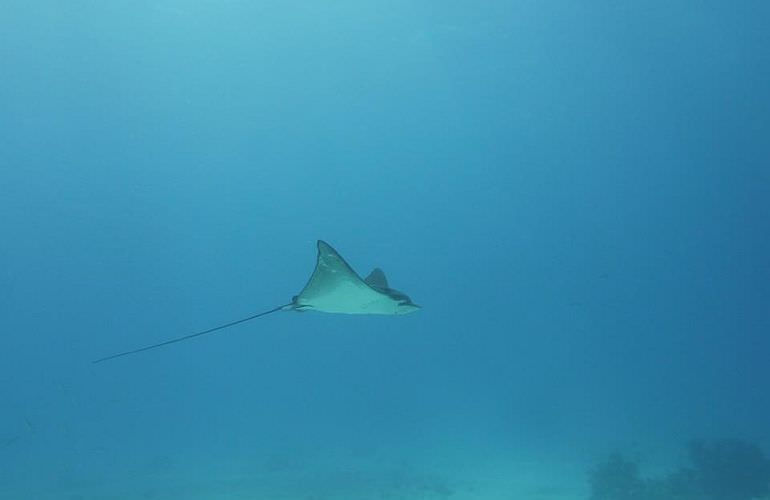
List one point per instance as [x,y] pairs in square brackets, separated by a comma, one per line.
[576,193]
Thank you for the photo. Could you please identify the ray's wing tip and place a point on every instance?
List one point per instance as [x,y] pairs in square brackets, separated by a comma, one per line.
[324,247]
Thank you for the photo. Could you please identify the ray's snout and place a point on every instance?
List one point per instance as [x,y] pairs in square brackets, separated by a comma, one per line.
[408,307]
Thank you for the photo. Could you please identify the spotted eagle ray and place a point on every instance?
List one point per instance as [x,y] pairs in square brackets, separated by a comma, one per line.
[334,287]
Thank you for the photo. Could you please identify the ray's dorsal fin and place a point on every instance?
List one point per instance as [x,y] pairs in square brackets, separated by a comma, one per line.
[377,278]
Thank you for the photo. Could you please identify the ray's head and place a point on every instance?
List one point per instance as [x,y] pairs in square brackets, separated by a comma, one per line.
[406,308]
[405,304]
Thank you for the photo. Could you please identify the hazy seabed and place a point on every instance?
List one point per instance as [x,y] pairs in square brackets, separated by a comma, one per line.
[361,474]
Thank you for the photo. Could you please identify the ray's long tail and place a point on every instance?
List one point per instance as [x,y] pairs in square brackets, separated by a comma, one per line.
[197,334]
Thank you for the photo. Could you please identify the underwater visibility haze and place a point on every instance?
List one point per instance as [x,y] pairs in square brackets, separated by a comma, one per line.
[576,195]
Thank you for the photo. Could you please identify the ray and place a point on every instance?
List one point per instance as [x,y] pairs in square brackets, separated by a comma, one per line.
[334,287]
